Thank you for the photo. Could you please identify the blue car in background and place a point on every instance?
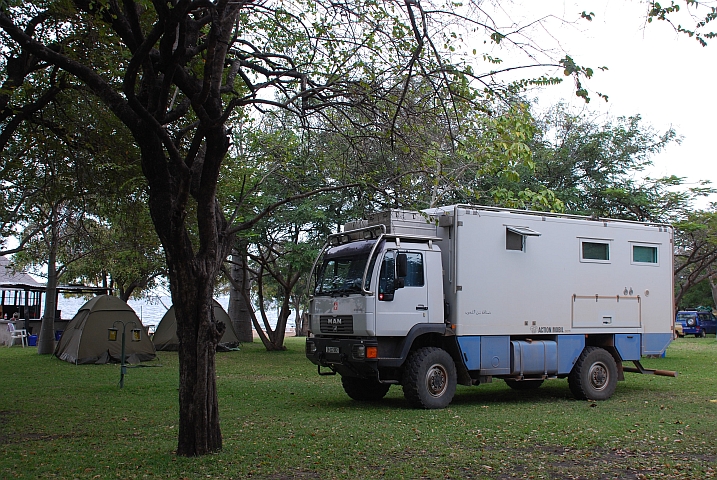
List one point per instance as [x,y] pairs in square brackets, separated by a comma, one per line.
[697,323]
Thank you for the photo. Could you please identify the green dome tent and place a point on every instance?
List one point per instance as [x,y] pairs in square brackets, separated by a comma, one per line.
[86,340]
[165,336]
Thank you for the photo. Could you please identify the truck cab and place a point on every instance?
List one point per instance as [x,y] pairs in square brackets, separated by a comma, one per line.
[365,275]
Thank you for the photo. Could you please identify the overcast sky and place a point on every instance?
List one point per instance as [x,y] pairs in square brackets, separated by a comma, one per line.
[666,77]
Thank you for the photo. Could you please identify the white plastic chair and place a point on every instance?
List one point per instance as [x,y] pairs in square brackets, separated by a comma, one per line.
[21,334]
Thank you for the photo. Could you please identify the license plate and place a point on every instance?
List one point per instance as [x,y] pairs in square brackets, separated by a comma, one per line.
[332,349]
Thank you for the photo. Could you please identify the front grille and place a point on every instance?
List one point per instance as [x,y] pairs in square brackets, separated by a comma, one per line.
[338,324]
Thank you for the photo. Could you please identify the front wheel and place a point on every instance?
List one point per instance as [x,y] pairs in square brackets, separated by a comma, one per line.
[364,390]
[594,376]
[429,379]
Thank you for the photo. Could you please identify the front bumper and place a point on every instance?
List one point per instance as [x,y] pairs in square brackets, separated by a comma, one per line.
[346,356]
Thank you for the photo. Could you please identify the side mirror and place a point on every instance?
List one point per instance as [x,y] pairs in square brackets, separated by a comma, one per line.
[401,269]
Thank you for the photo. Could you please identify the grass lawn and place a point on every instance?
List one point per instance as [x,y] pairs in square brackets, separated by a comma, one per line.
[281,420]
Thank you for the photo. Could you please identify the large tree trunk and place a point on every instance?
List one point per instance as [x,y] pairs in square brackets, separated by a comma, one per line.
[199,334]
[238,309]
[193,264]
[302,326]
[296,306]
[46,339]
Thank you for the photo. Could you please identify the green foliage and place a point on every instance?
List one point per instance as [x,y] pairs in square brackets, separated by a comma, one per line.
[88,209]
[695,250]
[668,13]
[697,295]
[281,420]
[596,168]
[572,69]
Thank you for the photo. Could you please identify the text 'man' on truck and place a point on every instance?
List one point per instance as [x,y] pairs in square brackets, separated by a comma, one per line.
[465,294]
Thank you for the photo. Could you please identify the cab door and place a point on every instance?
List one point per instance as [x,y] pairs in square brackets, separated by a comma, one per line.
[402,300]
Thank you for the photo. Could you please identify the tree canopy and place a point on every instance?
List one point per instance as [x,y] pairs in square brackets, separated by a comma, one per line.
[408,95]
[179,75]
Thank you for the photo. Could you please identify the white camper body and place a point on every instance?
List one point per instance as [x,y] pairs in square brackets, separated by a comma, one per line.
[463,294]
[563,274]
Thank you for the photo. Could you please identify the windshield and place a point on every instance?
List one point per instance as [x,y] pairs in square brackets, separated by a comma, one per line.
[342,269]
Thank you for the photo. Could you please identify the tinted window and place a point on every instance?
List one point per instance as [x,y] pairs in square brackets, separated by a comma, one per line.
[414,277]
[513,241]
[643,254]
[343,268]
[341,275]
[386,280]
[596,251]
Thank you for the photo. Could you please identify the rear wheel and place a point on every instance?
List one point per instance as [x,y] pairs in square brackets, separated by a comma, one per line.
[702,334]
[429,379]
[594,375]
[523,384]
[363,389]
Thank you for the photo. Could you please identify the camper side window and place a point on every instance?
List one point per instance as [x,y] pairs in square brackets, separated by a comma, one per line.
[594,251]
[515,237]
[644,254]
[514,241]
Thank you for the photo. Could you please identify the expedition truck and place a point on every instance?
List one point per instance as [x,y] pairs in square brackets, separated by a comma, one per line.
[465,294]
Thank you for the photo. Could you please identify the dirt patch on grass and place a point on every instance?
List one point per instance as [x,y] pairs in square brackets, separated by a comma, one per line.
[561,462]
[7,438]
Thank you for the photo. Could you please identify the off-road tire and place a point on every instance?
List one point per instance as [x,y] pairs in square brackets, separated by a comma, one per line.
[363,389]
[702,334]
[429,378]
[594,375]
[523,385]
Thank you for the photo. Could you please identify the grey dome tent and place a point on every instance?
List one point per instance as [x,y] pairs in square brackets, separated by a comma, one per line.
[86,340]
[165,336]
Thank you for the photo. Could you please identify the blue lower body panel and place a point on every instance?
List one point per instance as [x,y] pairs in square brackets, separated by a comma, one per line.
[628,346]
[556,355]
[655,343]
[498,355]
[569,349]
[489,354]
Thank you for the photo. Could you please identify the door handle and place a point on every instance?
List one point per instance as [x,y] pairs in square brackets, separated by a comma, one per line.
[421,307]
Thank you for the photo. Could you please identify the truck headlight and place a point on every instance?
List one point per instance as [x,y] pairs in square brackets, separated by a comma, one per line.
[310,347]
[361,351]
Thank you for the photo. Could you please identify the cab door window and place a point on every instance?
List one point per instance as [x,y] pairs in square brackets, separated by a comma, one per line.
[414,276]
[388,282]
[387,277]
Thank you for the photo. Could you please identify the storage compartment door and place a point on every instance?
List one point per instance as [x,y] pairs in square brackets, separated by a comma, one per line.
[595,311]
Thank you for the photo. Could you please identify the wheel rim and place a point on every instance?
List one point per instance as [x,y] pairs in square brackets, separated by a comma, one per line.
[436,380]
[599,376]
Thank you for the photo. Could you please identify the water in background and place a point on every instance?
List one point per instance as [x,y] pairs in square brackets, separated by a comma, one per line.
[150,312]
